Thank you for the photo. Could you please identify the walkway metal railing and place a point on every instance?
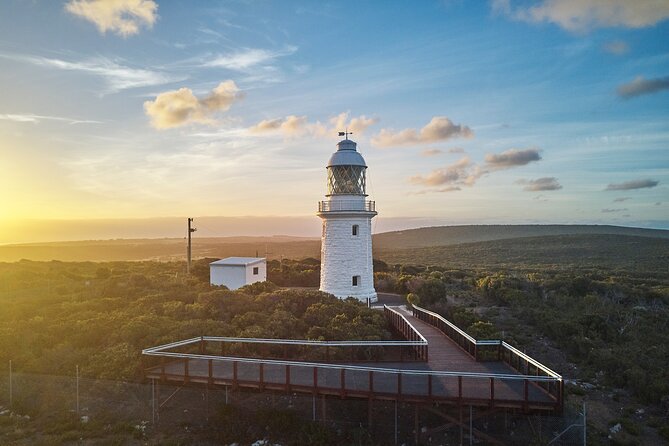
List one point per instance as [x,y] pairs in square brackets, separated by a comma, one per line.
[507,390]
[418,384]
[404,327]
[501,350]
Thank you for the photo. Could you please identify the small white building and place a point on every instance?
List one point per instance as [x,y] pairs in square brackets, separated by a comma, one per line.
[235,272]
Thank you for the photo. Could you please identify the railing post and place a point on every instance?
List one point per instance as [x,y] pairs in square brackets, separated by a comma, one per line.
[460,389]
[315,379]
[234,374]
[186,375]
[342,390]
[371,382]
[429,386]
[288,378]
[527,395]
[262,376]
[399,385]
[492,392]
[211,371]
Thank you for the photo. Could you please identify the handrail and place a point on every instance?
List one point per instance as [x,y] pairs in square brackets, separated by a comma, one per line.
[351,367]
[531,360]
[447,322]
[418,333]
[489,342]
[310,342]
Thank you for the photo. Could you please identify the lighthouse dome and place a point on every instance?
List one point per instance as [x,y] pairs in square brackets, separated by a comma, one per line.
[346,155]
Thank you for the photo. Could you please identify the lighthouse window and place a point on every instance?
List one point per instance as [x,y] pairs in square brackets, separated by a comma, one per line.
[355,230]
[356,280]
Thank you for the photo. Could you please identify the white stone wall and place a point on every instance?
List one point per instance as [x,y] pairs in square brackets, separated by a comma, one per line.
[262,272]
[344,255]
[236,276]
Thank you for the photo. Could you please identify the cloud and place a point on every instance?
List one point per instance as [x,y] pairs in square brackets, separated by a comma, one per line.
[461,173]
[456,150]
[584,15]
[431,152]
[34,119]
[180,107]
[540,184]
[118,77]
[439,128]
[247,58]
[289,126]
[640,86]
[464,172]
[617,47]
[634,184]
[123,17]
[621,199]
[357,125]
[511,158]
[610,211]
[299,125]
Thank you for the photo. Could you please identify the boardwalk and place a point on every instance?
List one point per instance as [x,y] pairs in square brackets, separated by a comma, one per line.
[450,375]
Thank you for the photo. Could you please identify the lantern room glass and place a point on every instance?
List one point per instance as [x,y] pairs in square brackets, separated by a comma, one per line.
[346,180]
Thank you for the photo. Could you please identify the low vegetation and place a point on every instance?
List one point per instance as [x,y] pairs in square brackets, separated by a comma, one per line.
[58,315]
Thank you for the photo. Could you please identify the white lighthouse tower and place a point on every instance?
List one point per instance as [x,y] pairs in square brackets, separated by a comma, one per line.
[346,240]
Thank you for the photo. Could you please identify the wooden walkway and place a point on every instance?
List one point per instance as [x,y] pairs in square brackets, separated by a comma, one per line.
[450,375]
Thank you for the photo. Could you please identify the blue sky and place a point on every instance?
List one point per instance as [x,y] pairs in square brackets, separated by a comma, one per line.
[553,111]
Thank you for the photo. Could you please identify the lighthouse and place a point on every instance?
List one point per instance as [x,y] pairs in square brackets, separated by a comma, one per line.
[346,239]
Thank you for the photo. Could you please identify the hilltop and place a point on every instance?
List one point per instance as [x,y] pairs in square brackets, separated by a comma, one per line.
[454,235]
[422,245]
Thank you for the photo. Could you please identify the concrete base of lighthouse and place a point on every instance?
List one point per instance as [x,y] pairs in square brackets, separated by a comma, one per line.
[346,255]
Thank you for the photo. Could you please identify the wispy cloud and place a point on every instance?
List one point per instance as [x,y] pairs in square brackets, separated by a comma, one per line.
[440,128]
[461,173]
[181,107]
[540,184]
[621,199]
[584,15]
[611,211]
[617,47]
[289,126]
[123,17]
[634,184]
[247,58]
[32,118]
[640,86]
[431,152]
[465,172]
[511,158]
[117,76]
[299,125]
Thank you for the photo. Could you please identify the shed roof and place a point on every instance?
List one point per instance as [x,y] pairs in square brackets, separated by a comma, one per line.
[238,261]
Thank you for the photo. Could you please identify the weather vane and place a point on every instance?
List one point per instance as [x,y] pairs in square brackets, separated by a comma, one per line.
[345,134]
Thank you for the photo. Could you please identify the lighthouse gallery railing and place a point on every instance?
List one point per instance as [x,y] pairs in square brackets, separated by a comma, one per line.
[346,205]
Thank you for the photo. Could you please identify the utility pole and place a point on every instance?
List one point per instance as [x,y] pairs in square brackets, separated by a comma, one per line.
[77,390]
[190,231]
[11,389]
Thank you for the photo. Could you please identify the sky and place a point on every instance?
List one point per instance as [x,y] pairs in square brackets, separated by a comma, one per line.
[124,113]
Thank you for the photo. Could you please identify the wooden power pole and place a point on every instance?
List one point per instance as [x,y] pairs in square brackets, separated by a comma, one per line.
[189,254]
